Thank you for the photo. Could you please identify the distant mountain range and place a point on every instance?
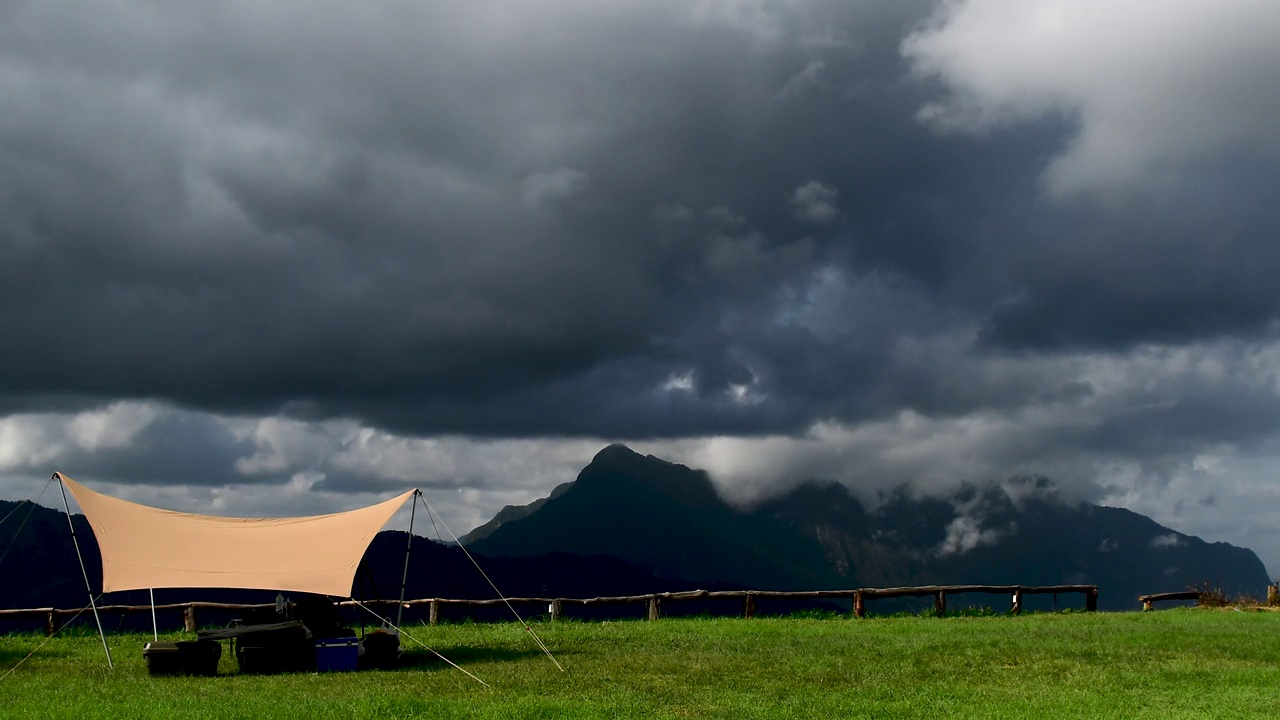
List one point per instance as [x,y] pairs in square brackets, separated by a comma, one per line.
[668,519]
[633,524]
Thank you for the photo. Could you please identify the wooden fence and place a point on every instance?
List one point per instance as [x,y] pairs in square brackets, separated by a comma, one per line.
[654,601]
[1149,601]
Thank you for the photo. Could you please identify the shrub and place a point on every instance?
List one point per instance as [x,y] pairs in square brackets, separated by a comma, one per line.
[1210,596]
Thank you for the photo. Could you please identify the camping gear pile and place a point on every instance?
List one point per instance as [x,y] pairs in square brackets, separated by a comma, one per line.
[307,636]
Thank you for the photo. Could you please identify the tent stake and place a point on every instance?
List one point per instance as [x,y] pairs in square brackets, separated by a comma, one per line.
[404,580]
[92,603]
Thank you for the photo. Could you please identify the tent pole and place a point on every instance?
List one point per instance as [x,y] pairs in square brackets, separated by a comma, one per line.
[92,603]
[404,579]
[155,629]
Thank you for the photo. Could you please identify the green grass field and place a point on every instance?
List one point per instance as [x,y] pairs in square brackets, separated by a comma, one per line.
[1171,663]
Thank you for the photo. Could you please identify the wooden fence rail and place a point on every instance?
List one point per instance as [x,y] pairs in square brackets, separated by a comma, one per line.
[654,601]
[1150,600]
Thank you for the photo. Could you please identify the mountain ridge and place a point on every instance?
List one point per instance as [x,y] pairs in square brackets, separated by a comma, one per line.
[666,518]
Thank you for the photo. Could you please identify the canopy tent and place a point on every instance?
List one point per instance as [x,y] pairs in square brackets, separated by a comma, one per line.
[144,547]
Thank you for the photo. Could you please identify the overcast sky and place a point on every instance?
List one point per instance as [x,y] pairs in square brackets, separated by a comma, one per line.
[293,257]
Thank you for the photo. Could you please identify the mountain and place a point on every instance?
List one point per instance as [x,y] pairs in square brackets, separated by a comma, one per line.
[38,561]
[667,519]
[662,517]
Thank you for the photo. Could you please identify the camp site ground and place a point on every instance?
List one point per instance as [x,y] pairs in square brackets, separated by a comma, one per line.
[1183,662]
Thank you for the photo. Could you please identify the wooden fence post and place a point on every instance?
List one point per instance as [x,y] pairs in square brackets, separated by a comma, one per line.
[655,608]
[859,607]
[750,610]
[189,619]
[940,602]
[557,610]
[1017,601]
[1091,600]
[433,612]
[1273,594]
[50,625]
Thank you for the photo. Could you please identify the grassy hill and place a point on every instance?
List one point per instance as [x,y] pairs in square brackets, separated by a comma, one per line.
[1166,664]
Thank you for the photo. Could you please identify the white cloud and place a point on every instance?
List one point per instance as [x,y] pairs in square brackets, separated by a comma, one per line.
[553,185]
[744,394]
[114,426]
[459,462]
[41,439]
[682,382]
[964,534]
[284,445]
[1166,541]
[815,202]
[808,78]
[28,439]
[1155,86]
[760,19]
[936,454]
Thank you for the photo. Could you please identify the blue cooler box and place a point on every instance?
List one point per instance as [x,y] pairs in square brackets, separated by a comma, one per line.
[340,654]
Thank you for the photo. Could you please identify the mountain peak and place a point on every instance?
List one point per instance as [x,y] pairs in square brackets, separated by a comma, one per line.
[617,469]
[617,478]
[615,452]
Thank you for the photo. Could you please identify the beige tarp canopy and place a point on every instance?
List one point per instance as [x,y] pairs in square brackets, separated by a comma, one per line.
[145,547]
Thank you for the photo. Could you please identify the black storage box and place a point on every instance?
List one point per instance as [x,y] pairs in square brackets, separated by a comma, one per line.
[274,651]
[189,657]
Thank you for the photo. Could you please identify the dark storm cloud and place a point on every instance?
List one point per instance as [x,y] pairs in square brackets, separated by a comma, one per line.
[625,219]
[241,209]
[1194,262]
[178,448]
